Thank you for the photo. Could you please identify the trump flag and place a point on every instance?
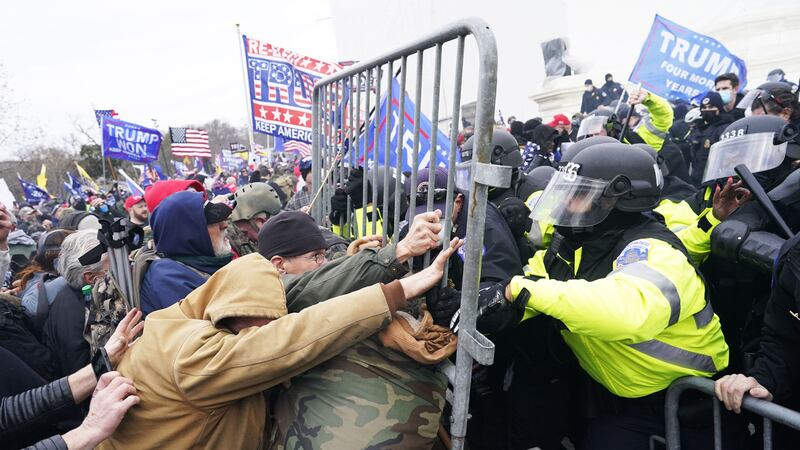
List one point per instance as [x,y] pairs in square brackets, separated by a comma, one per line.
[281,83]
[678,63]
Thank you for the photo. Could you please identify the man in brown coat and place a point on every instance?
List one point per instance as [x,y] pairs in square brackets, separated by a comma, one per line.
[202,364]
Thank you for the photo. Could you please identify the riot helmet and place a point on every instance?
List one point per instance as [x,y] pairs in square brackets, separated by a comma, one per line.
[569,152]
[539,177]
[764,93]
[504,149]
[601,178]
[761,143]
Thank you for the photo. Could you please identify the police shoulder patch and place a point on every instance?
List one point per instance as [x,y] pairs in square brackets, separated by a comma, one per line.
[636,251]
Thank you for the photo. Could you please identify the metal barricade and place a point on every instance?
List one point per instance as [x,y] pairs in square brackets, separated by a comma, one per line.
[768,410]
[336,147]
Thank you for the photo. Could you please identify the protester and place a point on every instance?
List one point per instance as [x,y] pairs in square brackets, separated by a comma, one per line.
[256,203]
[189,237]
[40,278]
[302,198]
[63,329]
[361,374]
[230,340]
[26,413]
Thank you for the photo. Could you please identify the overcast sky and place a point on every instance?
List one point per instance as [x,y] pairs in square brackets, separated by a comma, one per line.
[178,62]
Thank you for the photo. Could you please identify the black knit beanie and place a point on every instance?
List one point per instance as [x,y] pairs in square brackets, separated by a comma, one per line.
[290,233]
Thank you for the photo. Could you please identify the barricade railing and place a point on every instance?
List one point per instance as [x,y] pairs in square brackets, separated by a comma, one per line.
[346,108]
[770,412]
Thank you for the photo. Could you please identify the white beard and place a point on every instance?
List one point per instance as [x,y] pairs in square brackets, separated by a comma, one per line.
[222,247]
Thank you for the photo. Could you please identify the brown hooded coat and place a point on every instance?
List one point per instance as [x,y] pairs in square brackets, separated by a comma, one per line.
[201,385]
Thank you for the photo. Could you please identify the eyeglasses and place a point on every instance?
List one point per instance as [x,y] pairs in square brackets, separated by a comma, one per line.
[317,258]
[439,194]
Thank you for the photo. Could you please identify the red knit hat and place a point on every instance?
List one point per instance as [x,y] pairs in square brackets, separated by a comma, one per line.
[160,190]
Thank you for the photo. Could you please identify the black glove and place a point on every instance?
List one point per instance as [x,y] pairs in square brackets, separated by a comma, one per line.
[516,213]
[495,313]
[339,201]
[443,304]
[354,187]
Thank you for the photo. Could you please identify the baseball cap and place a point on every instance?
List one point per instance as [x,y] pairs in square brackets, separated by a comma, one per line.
[712,99]
[559,119]
[132,200]
[216,212]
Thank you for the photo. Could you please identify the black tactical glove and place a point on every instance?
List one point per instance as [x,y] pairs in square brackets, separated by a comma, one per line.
[495,313]
[339,201]
[354,187]
[516,213]
[443,305]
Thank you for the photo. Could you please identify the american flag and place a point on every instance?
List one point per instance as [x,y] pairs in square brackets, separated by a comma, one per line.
[189,142]
[100,113]
[303,89]
[300,147]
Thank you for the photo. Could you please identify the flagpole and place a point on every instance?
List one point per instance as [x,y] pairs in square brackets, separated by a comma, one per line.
[247,107]
[102,149]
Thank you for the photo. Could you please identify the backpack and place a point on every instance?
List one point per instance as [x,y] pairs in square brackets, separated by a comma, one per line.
[106,311]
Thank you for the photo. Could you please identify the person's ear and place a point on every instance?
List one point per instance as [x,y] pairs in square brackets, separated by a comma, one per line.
[88,278]
[277,261]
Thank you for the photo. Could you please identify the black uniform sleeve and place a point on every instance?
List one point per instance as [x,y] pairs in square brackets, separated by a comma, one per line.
[501,259]
[777,366]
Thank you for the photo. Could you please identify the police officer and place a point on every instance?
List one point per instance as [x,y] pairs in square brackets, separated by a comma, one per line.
[766,145]
[593,98]
[612,89]
[505,152]
[777,362]
[370,216]
[715,120]
[632,307]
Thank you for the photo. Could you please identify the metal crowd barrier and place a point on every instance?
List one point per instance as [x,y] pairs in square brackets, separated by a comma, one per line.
[768,410]
[339,120]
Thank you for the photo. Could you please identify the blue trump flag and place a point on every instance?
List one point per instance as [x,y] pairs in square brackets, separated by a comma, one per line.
[74,187]
[678,63]
[128,141]
[405,136]
[33,193]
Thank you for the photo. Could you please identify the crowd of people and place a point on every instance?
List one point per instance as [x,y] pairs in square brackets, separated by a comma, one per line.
[625,254]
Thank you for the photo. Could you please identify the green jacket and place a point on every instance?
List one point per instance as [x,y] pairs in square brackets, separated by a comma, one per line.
[369,396]
[341,276]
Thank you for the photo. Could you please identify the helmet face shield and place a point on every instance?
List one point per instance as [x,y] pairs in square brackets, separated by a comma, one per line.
[747,101]
[756,151]
[571,200]
[591,126]
[463,177]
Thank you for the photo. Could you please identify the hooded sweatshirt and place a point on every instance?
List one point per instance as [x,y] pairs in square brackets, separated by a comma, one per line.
[201,386]
[186,254]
